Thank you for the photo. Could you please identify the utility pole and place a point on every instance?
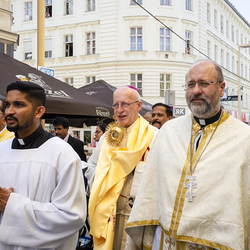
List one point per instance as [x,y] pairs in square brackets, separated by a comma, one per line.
[40,32]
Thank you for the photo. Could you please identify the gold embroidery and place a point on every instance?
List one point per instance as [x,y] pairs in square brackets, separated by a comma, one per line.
[181,192]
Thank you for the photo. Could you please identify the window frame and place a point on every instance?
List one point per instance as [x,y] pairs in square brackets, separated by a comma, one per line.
[222,24]
[68,45]
[30,11]
[189,5]
[91,43]
[166,2]
[165,46]
[48,52]
[208,13]
[90,79]
[188,48]
[26,44]
[164,81]
[48,8]
[69,80]
[133,3]
[134,82]
[138,46]
[90,5]
[68,7]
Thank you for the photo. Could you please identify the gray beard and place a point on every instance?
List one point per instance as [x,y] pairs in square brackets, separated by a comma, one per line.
[203,111]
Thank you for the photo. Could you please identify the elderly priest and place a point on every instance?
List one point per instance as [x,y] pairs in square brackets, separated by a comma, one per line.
[195,189]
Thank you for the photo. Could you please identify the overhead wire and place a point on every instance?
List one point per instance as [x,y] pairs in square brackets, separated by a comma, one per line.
[184,39]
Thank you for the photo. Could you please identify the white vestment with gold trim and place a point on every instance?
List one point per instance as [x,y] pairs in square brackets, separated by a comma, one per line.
[218,217]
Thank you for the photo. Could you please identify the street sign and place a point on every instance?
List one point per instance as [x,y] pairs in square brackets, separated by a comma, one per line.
[179,111]
[47,71]
[230,98]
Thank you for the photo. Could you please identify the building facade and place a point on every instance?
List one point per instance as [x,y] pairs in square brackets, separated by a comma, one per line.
[8,39]
[121,43]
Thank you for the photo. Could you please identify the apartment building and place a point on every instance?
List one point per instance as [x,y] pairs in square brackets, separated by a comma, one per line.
[8,40]
[121,43]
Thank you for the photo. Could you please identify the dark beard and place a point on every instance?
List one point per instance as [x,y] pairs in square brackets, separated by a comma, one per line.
[13,129]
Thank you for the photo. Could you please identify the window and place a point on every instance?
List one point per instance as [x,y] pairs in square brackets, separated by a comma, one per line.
[245,72]
[28,11]
[68,7]
[233,64]
[208,48]
[227,27]
[222,57]
[48,47]
[48,8]
[188,41]
[188,4]
[165,39]
[90,5]
[69,81]
[165,2]
[136,38]
[241,70]
[12,10]
[69,45]
[222,24]
[215,19]
[27,49]
[227,61]
[237,37]
[136,81]
[215,53]
[164,83]
[208,12]
[90,79]
[241,39]
[138,1]
[232,33]
[90,40]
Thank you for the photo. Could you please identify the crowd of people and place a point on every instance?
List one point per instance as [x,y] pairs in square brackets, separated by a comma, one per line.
[152,182]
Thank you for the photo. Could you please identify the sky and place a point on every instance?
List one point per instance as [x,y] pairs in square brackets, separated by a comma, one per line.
[243,6]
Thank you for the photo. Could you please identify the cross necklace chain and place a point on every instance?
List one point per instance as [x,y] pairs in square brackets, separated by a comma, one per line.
[190,185]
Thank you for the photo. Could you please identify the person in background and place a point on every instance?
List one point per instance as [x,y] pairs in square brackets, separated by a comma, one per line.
[118,171]
[100,130]
[42,194]
[61,127]
[161,113]
[148,117]
[4,132]
[195,189]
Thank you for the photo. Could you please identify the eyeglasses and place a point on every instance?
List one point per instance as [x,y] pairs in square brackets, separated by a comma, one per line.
[123,104]
[203,85]
[97,132]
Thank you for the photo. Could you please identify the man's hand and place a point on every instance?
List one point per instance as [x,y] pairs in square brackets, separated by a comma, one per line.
[4,196]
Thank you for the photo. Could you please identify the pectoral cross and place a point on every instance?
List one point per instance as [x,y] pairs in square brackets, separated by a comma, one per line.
[190,185]
[170,242]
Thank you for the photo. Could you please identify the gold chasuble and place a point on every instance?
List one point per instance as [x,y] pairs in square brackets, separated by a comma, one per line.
[113,167]
[205,206]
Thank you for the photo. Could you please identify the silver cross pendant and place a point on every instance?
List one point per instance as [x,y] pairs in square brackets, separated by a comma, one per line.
[190,185]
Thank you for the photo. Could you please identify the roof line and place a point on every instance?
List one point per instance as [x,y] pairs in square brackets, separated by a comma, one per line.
[237,12]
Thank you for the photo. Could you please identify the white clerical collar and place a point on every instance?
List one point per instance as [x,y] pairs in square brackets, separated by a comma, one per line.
[66,138]
[21,141]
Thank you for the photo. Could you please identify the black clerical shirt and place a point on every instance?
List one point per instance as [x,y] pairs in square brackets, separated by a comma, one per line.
[35,140]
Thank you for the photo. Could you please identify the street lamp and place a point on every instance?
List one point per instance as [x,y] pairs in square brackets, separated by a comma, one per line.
[239,80]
